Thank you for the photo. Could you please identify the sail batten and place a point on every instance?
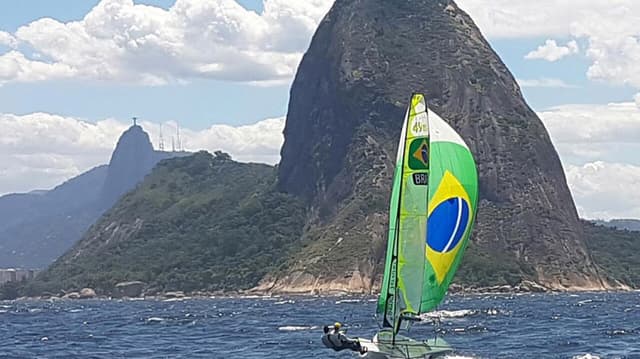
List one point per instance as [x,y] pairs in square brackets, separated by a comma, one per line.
[432,209]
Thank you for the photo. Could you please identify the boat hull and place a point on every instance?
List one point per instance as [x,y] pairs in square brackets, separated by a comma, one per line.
[383,347]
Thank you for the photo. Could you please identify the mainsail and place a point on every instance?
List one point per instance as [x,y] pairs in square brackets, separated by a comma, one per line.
[431,215]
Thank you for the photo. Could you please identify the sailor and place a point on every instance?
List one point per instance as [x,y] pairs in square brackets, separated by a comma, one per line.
[335,339]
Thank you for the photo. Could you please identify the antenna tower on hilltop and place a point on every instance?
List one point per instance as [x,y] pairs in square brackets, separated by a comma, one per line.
[161,140]
[135,120]
[178,137]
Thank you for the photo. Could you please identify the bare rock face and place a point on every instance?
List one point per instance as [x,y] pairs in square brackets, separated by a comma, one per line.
[38,227]
[71,295]
[128,289]
[132,159]
[87,293]
[345,113]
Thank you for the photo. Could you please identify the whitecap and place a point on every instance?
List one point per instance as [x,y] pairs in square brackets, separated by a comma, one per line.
[174,299]
[448,314]
[457,357]
[586,356]
[583,302]
[155,320]
[296,328]
[285,302]
[347,301]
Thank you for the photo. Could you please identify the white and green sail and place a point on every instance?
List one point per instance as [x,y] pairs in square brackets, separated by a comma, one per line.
[433,206]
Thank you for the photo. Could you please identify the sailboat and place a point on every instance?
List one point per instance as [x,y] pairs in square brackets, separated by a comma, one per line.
[432,211]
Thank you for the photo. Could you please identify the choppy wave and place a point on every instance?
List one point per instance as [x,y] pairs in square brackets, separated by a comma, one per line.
[448,314]
[586,356]
[206,327]
[615,332]
[155,320]
[296,328]
[285,302]
[348,301]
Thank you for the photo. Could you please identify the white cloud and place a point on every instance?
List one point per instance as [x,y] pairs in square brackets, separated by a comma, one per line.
[258,142]
[588,133]
[550,51]
[121,41]
[14,66]
[545,82]
[593,124]
[610,29]
[524,18]
[599,146]
[7,39]
[605,190]
[637,98]
[42,150]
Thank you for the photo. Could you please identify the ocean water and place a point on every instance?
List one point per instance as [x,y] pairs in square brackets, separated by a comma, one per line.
[585,325]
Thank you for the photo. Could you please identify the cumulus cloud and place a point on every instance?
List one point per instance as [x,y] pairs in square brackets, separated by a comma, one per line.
[588,133]
[610,29]
[122,41]
[605,190]
[637,98]
[550,18]
[258,142]
[599,146]
[550,51]
[7,39]
[42,150]
[219,39]
[545,82]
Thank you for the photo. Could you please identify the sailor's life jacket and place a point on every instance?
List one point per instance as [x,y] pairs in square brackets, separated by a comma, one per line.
[338,341]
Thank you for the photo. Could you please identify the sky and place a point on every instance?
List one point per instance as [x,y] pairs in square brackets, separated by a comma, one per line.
[73,73]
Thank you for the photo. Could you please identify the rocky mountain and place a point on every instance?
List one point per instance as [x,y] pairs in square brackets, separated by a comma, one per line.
[201,222]
[317,222]
[345,112]
[37,227]
[625,224]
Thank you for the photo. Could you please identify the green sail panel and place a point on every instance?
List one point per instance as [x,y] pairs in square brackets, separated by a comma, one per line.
[453,200]
[401,293]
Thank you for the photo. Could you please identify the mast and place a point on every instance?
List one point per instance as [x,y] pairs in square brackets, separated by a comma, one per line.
[396,323]
[393,263]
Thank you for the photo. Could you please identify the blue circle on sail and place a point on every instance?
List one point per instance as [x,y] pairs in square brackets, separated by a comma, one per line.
[446,224]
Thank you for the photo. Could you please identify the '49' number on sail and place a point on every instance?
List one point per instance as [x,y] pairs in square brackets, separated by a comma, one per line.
[420,125]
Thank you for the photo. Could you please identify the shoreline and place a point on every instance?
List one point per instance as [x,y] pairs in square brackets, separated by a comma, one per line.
[177,296]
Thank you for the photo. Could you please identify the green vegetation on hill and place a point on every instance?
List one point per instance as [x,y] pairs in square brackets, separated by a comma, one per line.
[481,267]
[628,224]
[196,223]
[206,222]
[616,251]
